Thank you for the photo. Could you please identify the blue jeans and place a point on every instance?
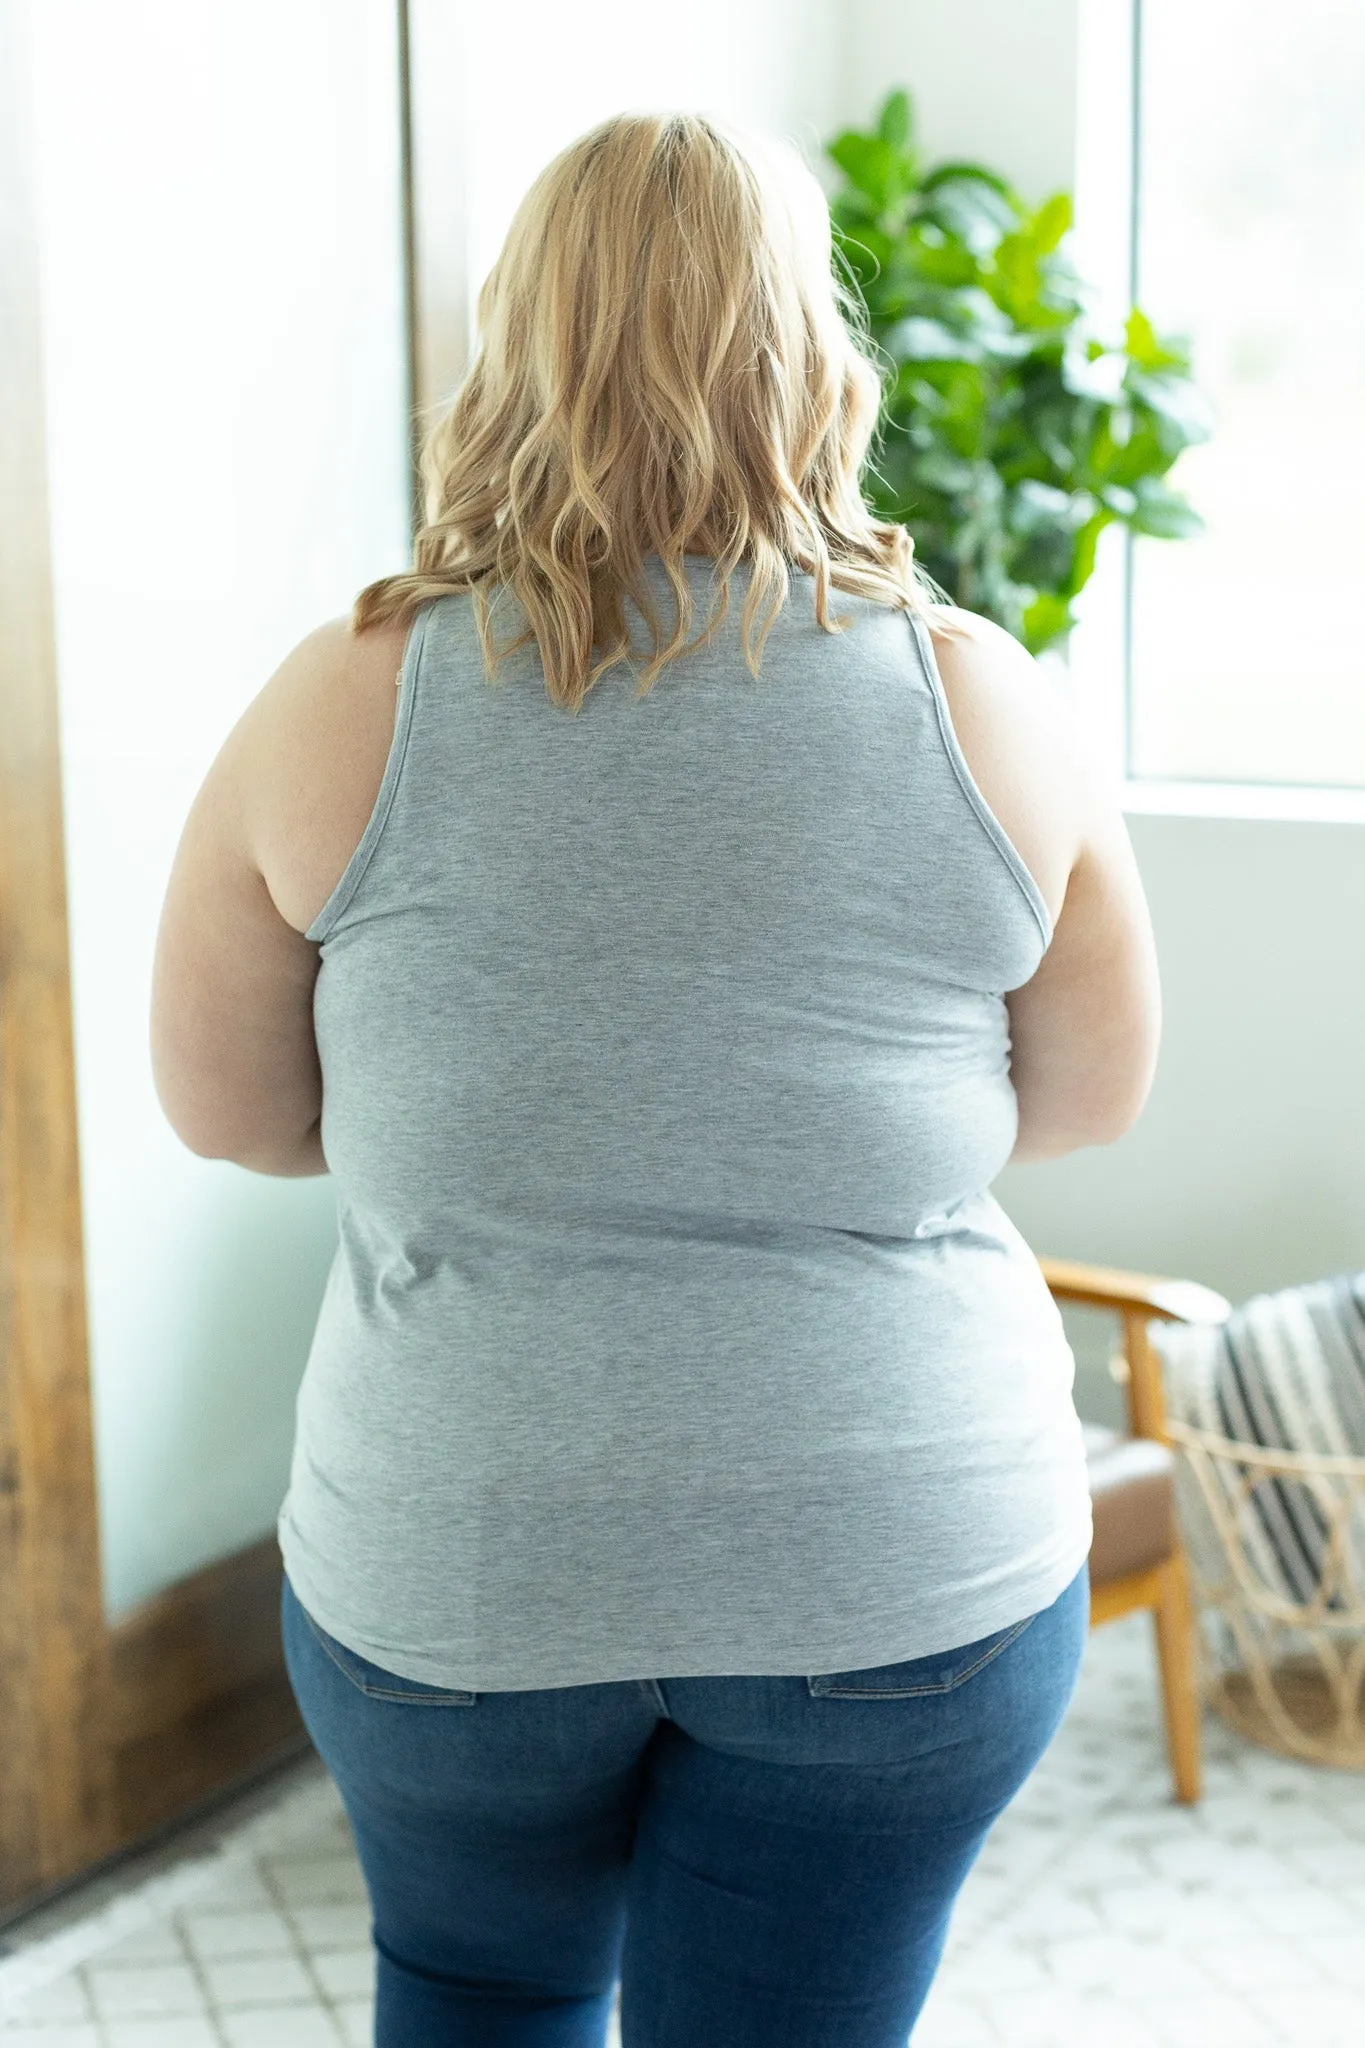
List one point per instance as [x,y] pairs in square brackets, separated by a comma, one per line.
[763,1862]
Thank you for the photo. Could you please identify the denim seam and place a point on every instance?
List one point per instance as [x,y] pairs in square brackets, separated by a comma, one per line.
[912,1692]
[449,1698]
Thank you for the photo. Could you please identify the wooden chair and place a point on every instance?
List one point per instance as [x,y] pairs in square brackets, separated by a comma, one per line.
[1137,1559]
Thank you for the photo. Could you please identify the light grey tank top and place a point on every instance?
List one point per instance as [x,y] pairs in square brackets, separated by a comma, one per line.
[672,1329]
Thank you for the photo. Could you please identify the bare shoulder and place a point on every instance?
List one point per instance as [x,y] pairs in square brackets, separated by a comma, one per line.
[311,750]
[990,680]
[1018,739]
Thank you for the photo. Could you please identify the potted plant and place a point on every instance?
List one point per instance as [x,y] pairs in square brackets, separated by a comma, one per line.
[1013,429]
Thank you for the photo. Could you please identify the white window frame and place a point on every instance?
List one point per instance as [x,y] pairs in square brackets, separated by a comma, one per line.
[1099,667]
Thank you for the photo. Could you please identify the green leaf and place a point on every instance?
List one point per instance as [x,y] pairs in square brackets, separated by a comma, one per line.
[948,173]
[1090,376]
[1016,280]
[1039,506]
[1122,502]
[866,250]
[938,258]
[1146,350]
[1047,620]
[1181,412]
[975,311]
[1014,427]
[943,407]
[851,209]
[894,121]
[1083,557]
[871,165]
[1163,514]
[942,473]
[974,210]
[893,473]
[918,340]
[1051,221]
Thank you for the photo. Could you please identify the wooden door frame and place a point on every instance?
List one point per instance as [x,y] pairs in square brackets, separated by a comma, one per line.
[55,1796]
[114,1731]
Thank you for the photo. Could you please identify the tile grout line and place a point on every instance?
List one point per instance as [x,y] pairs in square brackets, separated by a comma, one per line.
[81,1972]
[159,1901]
[200,1975]
[321,1996]
[1030,1879]
[101,2025]
[74,1947]
[154,1897]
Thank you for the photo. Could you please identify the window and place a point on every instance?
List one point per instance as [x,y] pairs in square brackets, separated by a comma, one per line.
[1246,183]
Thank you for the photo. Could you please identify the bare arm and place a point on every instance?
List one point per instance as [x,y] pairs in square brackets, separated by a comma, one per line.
[233,1053]
[1085,1030]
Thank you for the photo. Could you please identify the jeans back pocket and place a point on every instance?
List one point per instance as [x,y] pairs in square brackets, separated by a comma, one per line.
[918,1677]
[372,1679]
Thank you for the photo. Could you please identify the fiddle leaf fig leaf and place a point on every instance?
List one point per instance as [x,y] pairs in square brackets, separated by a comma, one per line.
[894,121]
[1015,425]
[1051,221]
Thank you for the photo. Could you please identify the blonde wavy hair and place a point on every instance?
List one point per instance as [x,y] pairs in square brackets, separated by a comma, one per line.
[667,365]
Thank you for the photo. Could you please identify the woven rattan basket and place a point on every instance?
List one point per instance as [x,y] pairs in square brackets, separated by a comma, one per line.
[1287,1674]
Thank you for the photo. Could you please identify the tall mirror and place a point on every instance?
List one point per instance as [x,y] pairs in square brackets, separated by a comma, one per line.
[219,359]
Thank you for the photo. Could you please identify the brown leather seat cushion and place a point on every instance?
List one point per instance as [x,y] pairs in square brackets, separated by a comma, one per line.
[1130,1494]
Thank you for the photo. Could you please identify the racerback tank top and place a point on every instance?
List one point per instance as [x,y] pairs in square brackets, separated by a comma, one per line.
[672,1328]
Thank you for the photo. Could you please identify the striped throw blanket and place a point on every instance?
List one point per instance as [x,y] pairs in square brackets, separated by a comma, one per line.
[1287,1371]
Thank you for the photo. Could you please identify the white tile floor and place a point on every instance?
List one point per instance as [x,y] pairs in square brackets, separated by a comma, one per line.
[1100,1915]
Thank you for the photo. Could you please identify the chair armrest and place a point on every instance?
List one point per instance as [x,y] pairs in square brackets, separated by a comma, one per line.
[1138,1299]
[1145,1294]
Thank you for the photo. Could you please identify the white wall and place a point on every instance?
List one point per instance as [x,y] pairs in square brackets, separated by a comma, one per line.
[219,207]
[994,80]
[1247,1170]
[540,73]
